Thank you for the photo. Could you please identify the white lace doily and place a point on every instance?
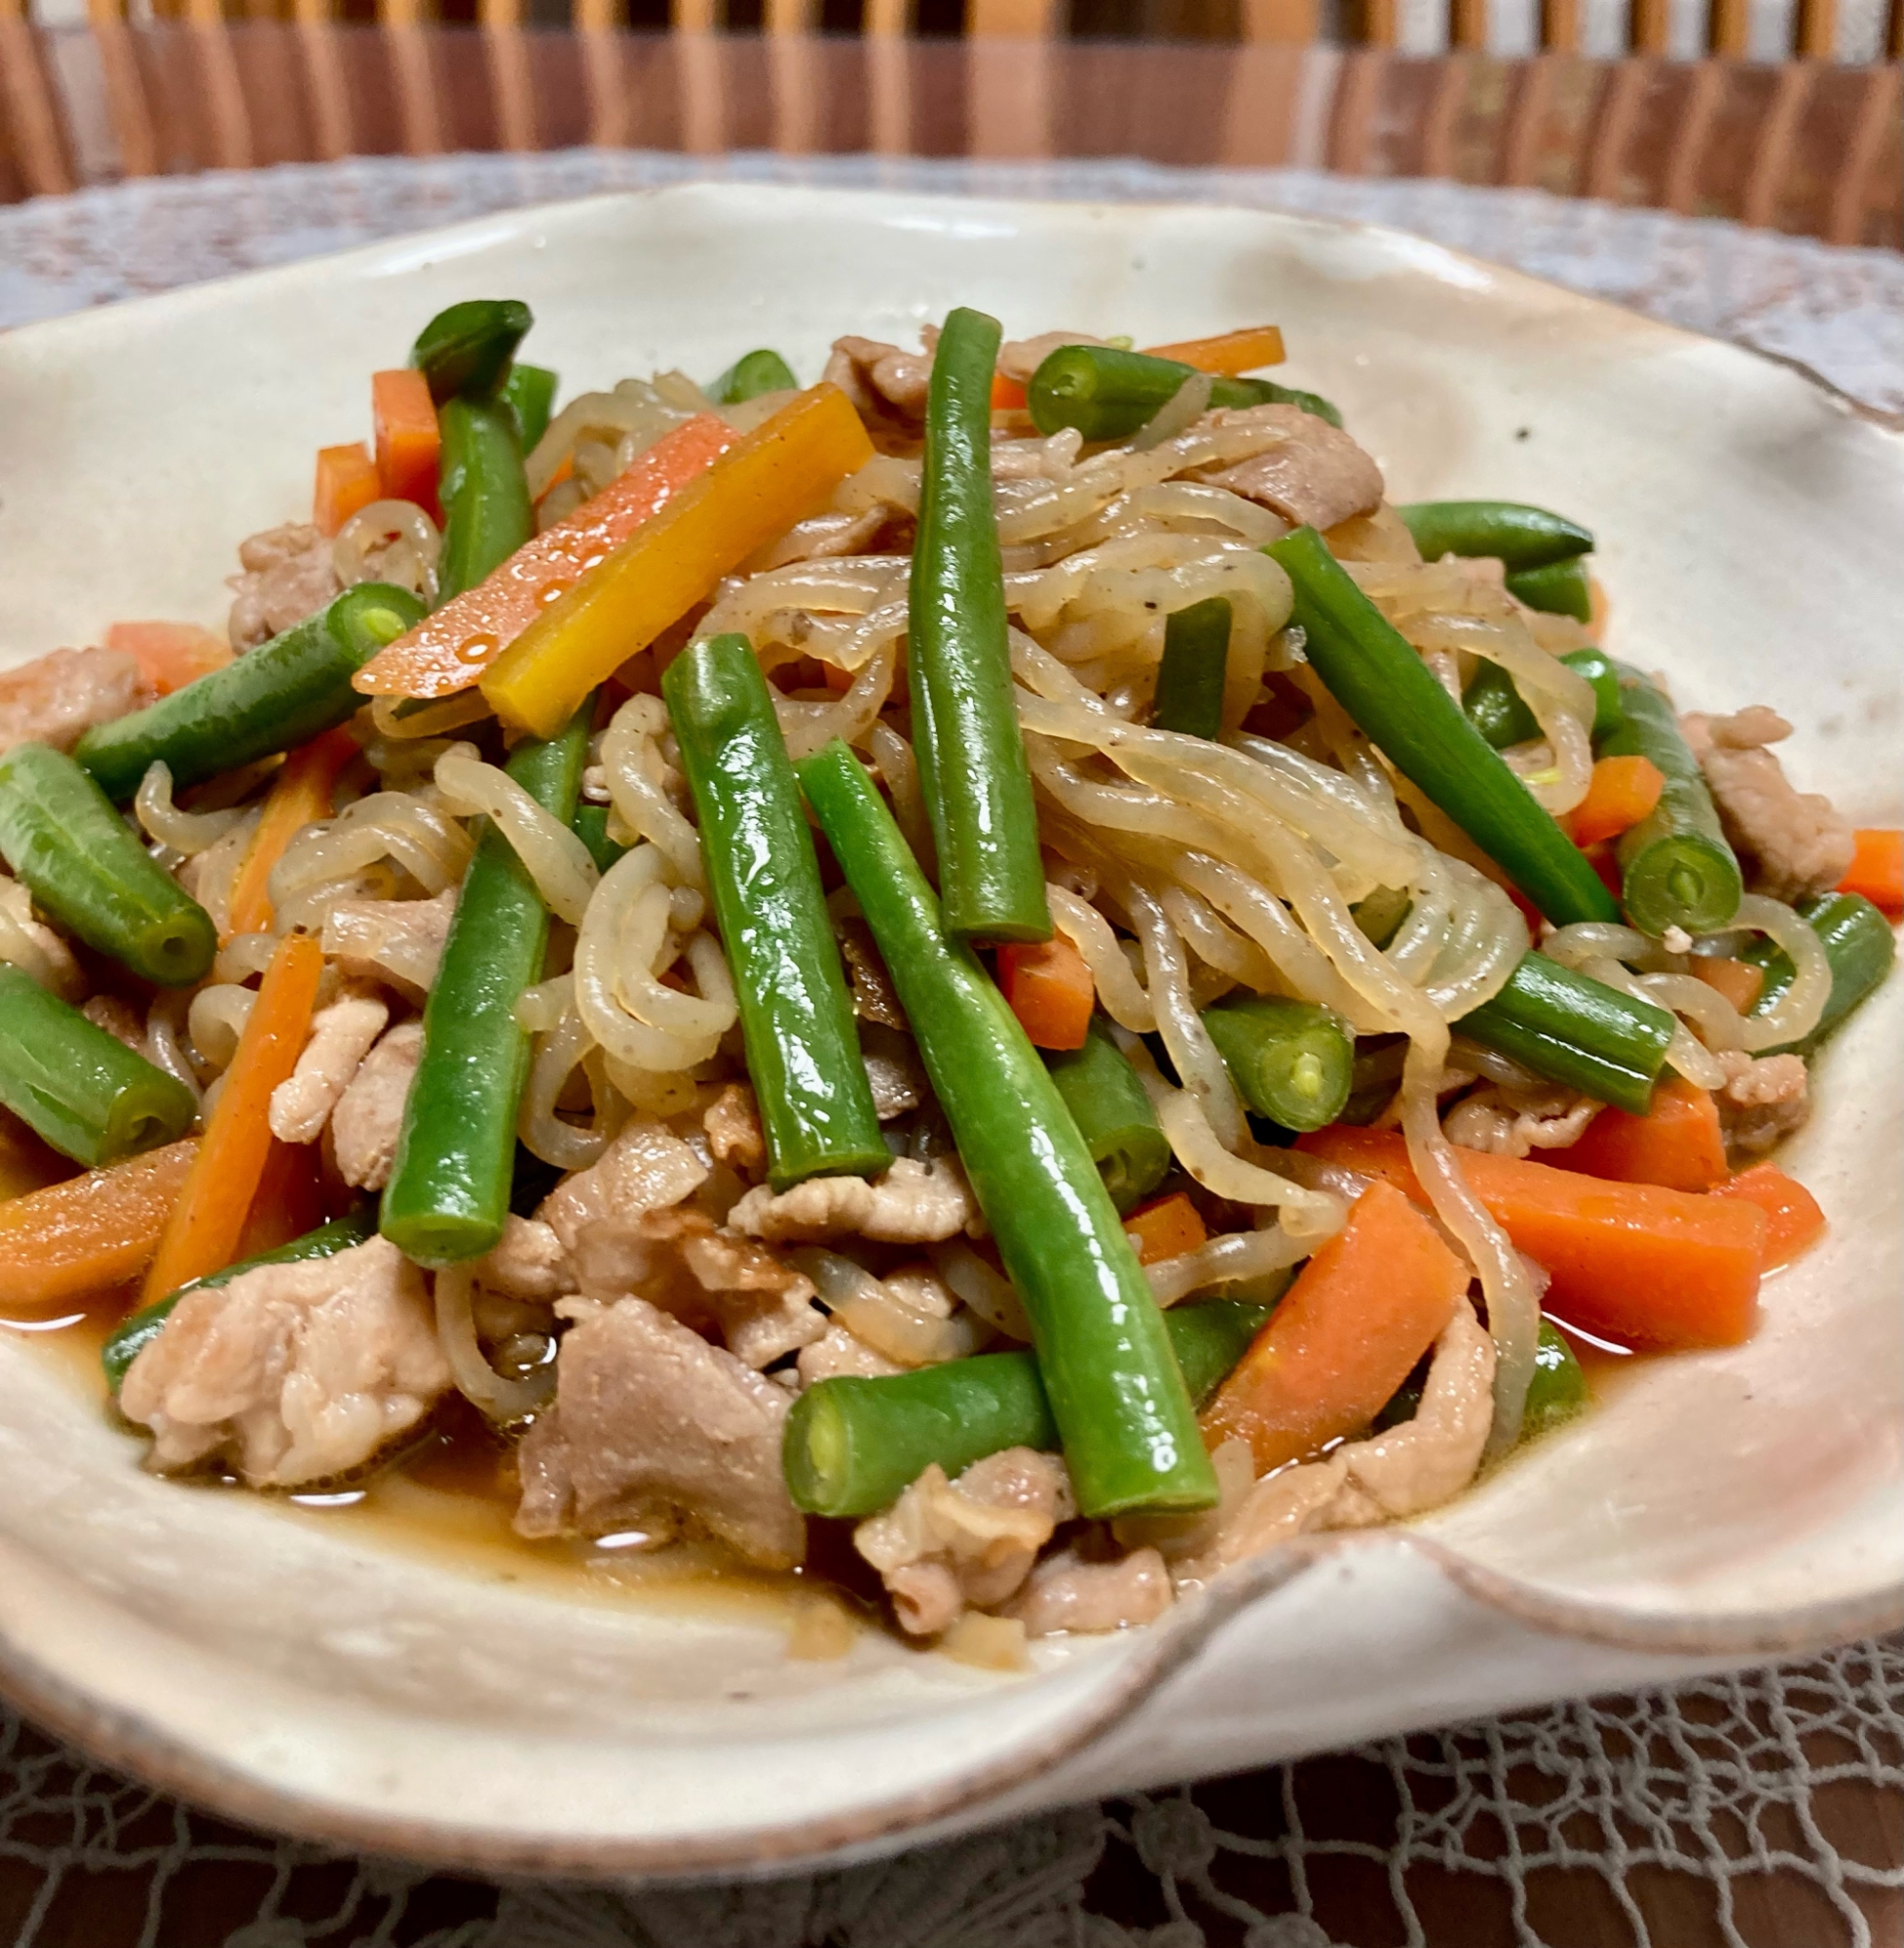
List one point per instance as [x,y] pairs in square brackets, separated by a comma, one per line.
[1757,1811]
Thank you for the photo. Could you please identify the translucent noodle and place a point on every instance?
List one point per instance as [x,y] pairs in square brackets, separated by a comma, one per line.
[183,832]
[1238,1254]
[216,1019]
[553,856]
[635,772]
[477,1380]
[1191,1051]
[1795,1013]
[1119,992]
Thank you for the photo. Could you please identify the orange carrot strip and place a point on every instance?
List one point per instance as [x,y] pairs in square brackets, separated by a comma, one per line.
[1620,794]
[1738,980]
[1794,1220]
[1050,989]
[1633,1262]
[564,471]
[91,1232]
[1361,1313]
[1877,868]
[300,793]
[1229,353]
[1165,1228]
[347,482]
[203,1232]
[1008,395]
[449,650]
[169,654]
[408,443]
[1678,1143]
[287,1202]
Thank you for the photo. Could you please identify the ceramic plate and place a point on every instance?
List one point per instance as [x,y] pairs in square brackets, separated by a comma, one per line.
[298,1671]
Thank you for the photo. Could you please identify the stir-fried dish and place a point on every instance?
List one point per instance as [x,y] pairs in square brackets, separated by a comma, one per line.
[995,969]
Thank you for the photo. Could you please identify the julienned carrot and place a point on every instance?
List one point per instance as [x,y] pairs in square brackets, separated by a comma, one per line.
[1633,1263]
[1229,353]
[1621,793]
[1877,868]
[1165,1229]
[1794,1219]
[1008,395]
[202,1234]
[1676,1144]
[1738,980]
[91,1232]
[1050,990]
[346,483]
[300,793]
[287,1202]
[169,654]
[408,443]
[449,650]
[1362,1312]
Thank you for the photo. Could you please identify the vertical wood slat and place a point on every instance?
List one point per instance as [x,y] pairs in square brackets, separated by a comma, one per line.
[1533,102]
[1616,116]
[888,77]
[1648,26]
[1687,157]
[1894,30]
[1844,219]
[1728,27]
[31,112]
[127,108]
[1374,22]
[332,131]
[1443,115]
[1815,37]
[1352,121]
[1771,160]
[1259,112]
[1468,23]
[1560,26]
[222,90]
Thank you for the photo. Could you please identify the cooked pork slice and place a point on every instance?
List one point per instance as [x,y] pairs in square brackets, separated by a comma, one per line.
[527,1261]
[1019,357]
[1515,1122]
[368,1118]
[341,1034]
[946,1545]
[645,1168]
[1064,1592]
[882,379]
[287,575]
[734,1137]
[1763,1100]
[1314,473]
[294,1373]
[656,1431]
[912,1203]
[1793,843]
[838,1352]
[56,698]
[399,942]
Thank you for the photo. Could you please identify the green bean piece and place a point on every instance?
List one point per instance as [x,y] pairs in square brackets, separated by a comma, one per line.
[1381,914]
[590,825]
[282,694]
[1129,1433]
[529,392]
[1113,1115]
[1380,681]
[1560,588]
[1107,393]
[853,1447]
[750,375]
[1675,866]
[81,862]
[448,1193]
[1195,661]
[130,1340]
[1498,711]
[1860,945]
[1291,1061]
[991,877]
[82,1090]
[465,350]
[795,1015]
[1576,1031]
[1517,535]
[487,512]
[1557,1393]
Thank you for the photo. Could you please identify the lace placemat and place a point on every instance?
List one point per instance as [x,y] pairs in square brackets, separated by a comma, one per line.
[1757,1811]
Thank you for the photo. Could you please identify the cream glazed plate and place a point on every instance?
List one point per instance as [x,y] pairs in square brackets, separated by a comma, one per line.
[305,1672]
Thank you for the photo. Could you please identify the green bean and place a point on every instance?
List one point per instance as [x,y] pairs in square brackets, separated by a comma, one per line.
[448,1193]
[590,825]
[1675,866]
[1291,1061]
[283,692]
[1113,1115]
[465,350]
[1107,393]
[1381,914]
[1859,944]
[84,1091]
[1517,535]
[78,858]
[128,1341]
[796,1015]
[1557,1393]
[991,878]
[1560,588]
[1129,1433]
[1497,710]
[487,512]
[1195,661]
[853,1447]
[529,392]
[1576,1030]
[1380,681]
[750,375]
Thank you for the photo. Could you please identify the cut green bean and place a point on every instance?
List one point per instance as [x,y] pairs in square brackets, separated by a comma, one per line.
[991,877]
[1129,1433]
[448,1193]
[1291,1061]
[282,694]
[487,512]
[1859,943]
[78,859]
[750,375]
[82,1090]
[1190,676]
[590,825]
[130,1340]
[1675,866]
[1517,535]
[1560,588]
[529,392]
[1576,1031]
[853,1447]
[1107,392]
[1113,1115]
[465,350]
[1498,711]
[1380,681]
[1555,1394]
[795,1015]
[1381,914]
